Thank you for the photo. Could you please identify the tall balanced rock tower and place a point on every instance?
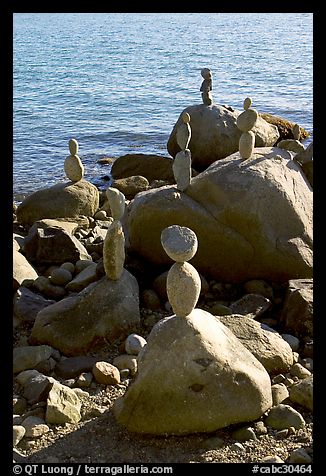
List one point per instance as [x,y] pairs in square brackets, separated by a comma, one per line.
[183,281]
[206,87]
[245,122]
[114,243]
[194,374]
[73,166]
[182,162]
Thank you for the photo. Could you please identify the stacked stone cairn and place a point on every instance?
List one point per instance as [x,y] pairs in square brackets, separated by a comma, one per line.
[245,122]
[206,87]
[183,281]
[182,162]
[73,166]
[114,242]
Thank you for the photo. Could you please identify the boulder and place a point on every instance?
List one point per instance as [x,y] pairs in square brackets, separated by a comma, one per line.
[22,269]
[104,310]
[215,135]
[130,186]
[297,313]
[53,245]
[27,304]
[266,344]
[252,218]
[152,167]
[285,127]
[64,199]
[28,357]
[193,375]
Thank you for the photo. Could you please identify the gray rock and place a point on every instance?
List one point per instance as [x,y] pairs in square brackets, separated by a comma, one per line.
[302,393]
[299,456]
[63,405]
[45,287]
[297,312]
[18,433]
[22,269]
[179,242]
[60,276]
[250,239]
[150,166]
[253,305]
[28,357]
[37,388]
[53,245]
[259,286]
[35,426]
[71,367]
[244,434]
[265,343]
[298,370]
[104,310]
[293,341]
[27,304]
[283,416]
[83,278]
[134,344]
[279,393]
[67,199]
[126,361]
[195,362]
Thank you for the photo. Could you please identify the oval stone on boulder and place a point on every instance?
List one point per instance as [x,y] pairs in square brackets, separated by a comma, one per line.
[68,199]
[193,375]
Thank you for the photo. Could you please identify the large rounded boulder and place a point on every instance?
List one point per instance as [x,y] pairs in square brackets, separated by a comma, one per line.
[62,200]
[193,375]
[215,135]
[252,218]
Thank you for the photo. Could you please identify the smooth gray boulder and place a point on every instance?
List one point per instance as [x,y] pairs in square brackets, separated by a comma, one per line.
[253,219]
[67,199]
[193,375]
[104,310]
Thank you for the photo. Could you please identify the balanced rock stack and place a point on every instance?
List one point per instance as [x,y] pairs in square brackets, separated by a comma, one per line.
[245,122]
[193,375]
[73,165]
[183,281]
[114,242]
[182,161]
[206,87]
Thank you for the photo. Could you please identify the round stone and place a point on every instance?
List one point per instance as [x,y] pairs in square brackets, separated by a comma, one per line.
[134,344]
[186,117]
[247,120]
[101,215]
[68,266]
[61,276]
[179,242]
[206,73]
[73,147]
[247,103]
[106,373]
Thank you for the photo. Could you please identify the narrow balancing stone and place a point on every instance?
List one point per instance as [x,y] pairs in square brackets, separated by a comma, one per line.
[73,166]
[183,281]
[114,242]
[245,122]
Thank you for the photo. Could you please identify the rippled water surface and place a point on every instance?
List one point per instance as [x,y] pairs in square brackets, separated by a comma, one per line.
[117,82]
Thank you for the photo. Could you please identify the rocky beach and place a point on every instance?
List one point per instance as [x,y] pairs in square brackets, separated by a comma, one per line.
[169,318]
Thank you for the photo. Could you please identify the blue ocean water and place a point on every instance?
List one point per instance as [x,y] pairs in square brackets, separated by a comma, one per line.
[117,82]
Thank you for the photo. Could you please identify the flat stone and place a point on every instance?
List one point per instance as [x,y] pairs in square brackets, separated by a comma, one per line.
[251,304]
[83,278]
